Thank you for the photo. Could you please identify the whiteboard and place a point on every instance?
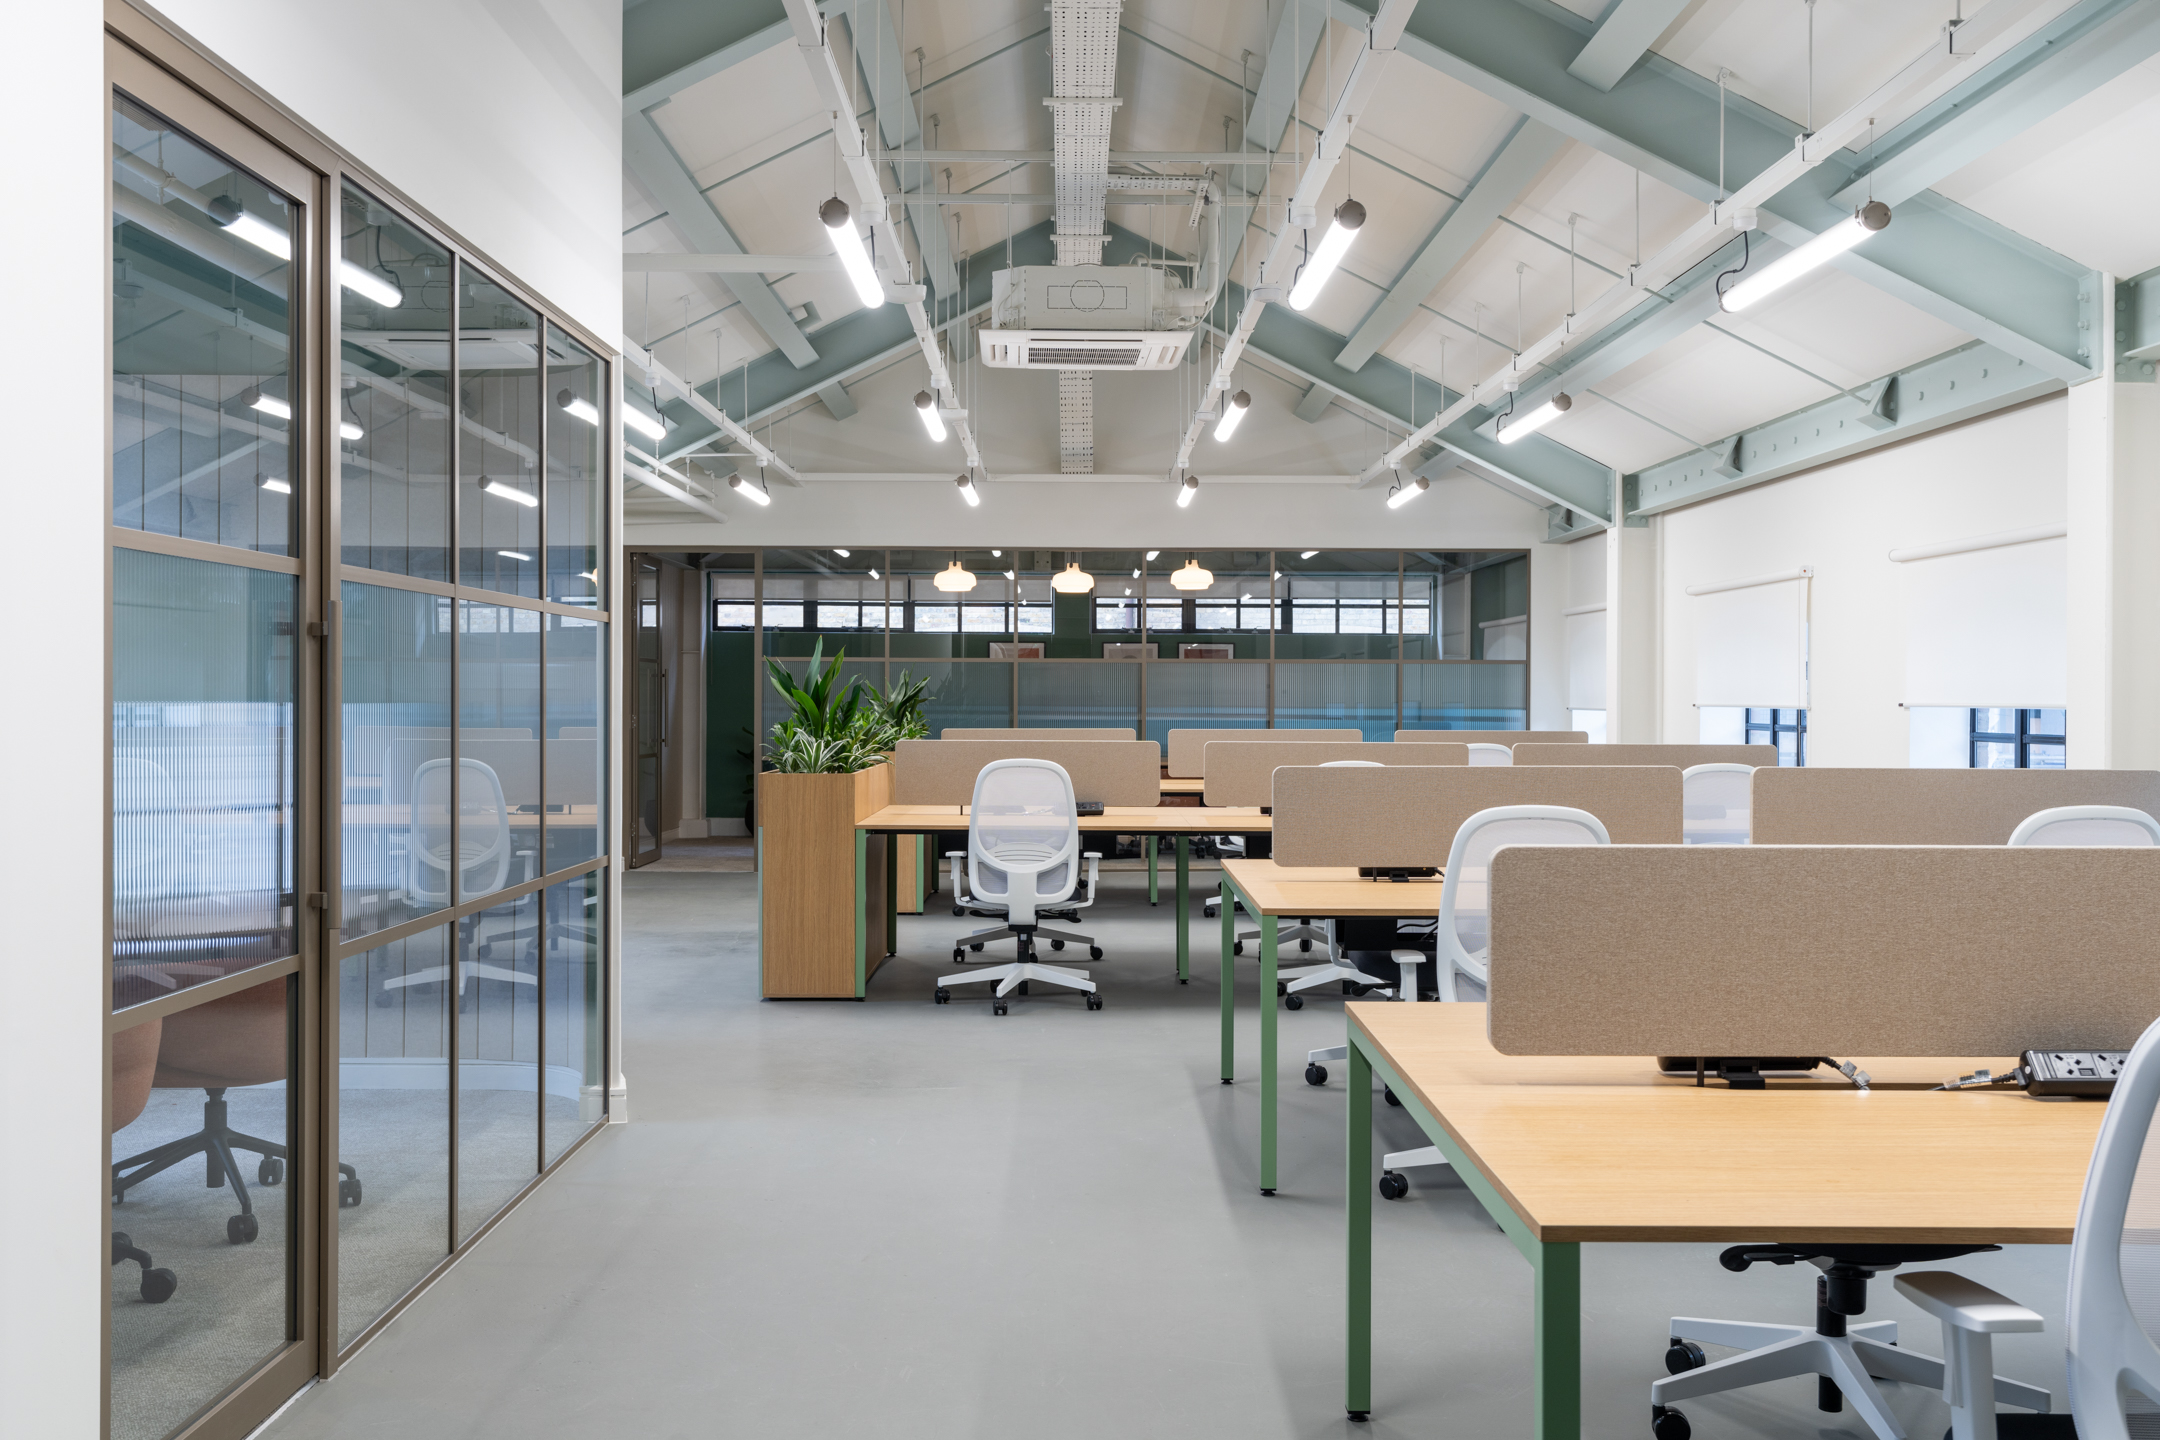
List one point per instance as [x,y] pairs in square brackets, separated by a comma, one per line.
[1586,661]
[1988,627]
[1751,645]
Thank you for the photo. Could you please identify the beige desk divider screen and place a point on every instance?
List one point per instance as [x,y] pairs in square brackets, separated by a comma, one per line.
[942,772]
[1928,807]
[1111,732]
[1493,737]
[1681,755]
[1410,816]
[1837,950]
[1243,773]
[1187,755]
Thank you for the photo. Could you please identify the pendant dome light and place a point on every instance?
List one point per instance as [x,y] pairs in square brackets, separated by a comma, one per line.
[1190,576]
[954,577]
[1072,580]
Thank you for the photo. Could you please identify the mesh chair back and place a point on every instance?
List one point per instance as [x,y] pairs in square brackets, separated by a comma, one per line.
[1714,804]
[483,838]
[1023,836]
[1465,894]
[2115,1263]
[1482,753]
[2087,825]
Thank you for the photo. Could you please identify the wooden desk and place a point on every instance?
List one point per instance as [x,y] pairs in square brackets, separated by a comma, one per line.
[1181,821]
[1560,1151]
[1271,892]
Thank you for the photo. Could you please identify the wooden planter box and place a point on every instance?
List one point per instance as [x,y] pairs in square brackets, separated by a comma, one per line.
[821,887]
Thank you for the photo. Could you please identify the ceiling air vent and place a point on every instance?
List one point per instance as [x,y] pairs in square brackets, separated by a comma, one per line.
[1083,349]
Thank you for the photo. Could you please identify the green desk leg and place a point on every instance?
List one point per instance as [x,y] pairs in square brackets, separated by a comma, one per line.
[1270,1008]
[862,913]
[1184,907]
[1557,1324]
[1358,1185]
[892,894]
[1229,1022]
[1151,841]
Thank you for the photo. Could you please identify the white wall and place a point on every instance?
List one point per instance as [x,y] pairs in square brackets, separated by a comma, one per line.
[2004,472]
[52,1244]
[502,120]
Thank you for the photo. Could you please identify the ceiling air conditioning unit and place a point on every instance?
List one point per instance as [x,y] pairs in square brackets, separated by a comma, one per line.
[1081,317]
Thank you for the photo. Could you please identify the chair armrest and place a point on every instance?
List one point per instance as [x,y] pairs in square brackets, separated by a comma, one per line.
[1964,1304]
[956,854]
[1410,956]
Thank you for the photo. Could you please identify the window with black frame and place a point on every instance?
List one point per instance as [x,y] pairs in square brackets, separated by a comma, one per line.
[1786,729]
[2005,738]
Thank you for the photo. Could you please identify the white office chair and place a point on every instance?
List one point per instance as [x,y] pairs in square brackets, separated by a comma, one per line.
[1714,804]
[1465,918]
[2114,1312]
[1485,753]
[484,861]
[1023,862]
[2087,825]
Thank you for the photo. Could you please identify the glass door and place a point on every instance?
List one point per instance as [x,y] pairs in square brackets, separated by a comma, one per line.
[648,712]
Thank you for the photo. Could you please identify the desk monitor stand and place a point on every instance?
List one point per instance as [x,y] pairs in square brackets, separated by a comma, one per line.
[1741,1072]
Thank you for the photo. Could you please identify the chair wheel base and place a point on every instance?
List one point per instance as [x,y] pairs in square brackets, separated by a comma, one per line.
[941,996]
[158,1286]
[1389,1095]
[1094,952]
[1393,1186]
[1316,1074]
[1294,1002]
[240,1229]
[1666,1423]
[1237,947]
[1094,1002]
[1057,944]
[998,1008]
[348,1192]
[1683,1356]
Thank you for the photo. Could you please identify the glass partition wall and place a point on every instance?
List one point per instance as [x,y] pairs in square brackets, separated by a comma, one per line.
[359,675]
[1155,640]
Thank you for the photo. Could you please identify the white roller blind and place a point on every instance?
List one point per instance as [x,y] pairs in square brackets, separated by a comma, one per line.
[1586,658]
[1751,641]
[1987,626]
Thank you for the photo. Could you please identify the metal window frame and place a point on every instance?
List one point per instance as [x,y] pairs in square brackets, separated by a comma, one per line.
[2023,738]
[1776,727]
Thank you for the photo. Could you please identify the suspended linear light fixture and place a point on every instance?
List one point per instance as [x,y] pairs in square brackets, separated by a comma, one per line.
[839,552]
[503,489]
[748,491]
[1190,576]
[954,577]
[1187,488]
[651,427]
[1153,553]
[1820,251]
[379,288]
[276,486]
[577,409]
[1349,219]
[514,555]
[967,493]
[271,405]
[234,219]
[1402,495]
[1307,554]
[1514,427]
[1233,411]
[926,406]
[854,255]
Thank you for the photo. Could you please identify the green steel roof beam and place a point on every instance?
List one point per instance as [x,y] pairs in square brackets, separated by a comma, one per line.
[670,45]
[1623,36]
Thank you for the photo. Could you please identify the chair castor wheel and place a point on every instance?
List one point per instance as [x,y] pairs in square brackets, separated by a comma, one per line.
[941,996]
[977,946]
[1683,1356]
[1237,947]
[240,1229]
[959,957]
[1057,944]
[1304,945]
[958,910]
[1667,1423]
[158,1286]
[348,1192]
[1316,1074]
[1095,953]
[1294,1002]
[1094,1001]
[1389,1096]
[271,1171]
[998,1008]
[1393,1186]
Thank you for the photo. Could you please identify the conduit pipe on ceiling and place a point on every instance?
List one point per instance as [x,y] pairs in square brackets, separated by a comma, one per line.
[1357,92]
[660,378]
[1974,43]
[827,78]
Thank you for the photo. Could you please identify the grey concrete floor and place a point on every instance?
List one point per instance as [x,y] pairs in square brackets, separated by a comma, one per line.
[895,1219]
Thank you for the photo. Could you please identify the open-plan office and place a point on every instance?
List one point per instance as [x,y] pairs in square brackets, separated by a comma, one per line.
[1262,718]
